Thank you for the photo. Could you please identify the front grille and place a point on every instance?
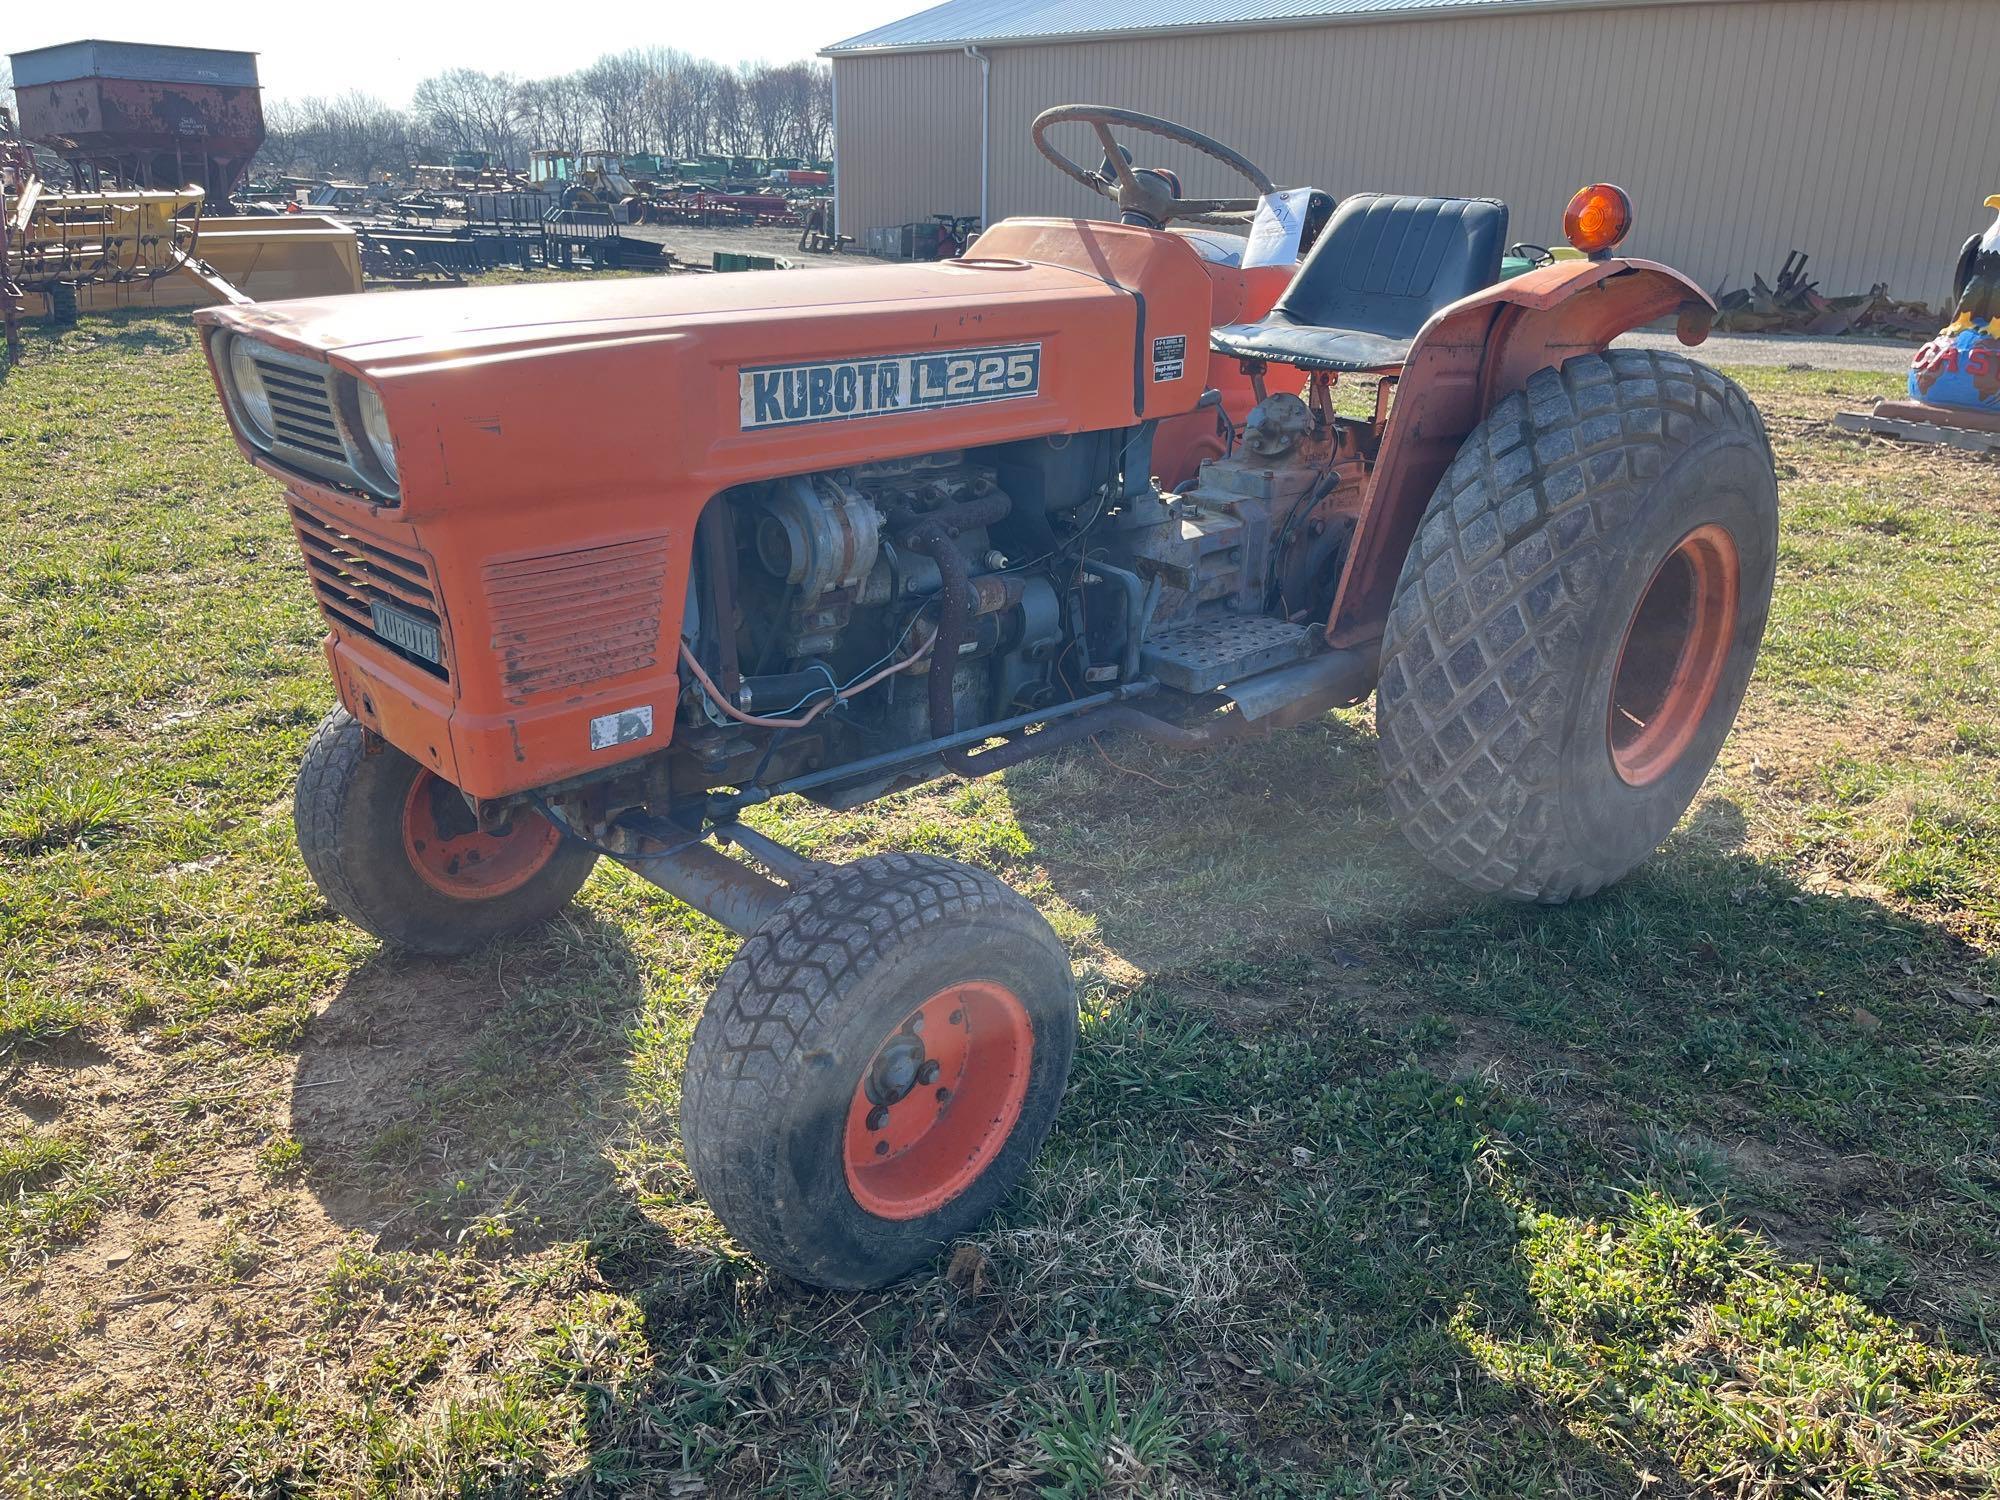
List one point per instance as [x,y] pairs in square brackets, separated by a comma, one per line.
[568,618]
[313,424]
[360,581]
[302,410]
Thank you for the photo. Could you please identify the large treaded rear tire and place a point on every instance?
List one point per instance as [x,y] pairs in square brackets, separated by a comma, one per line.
[793,1026]
[1507,636]
[348,809]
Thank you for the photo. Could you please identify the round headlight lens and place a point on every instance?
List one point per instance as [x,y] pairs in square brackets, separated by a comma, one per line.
[375,424]
[252,400]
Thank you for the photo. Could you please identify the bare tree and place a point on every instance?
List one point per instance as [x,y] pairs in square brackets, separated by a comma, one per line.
[766,111]
[654,99]
[816,126]
[554,113]
[354,135]
[696,83]
[616,87]
[731,117]
[468,110]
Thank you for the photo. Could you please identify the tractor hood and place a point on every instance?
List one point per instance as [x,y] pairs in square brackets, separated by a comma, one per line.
[448,321]
[548,394]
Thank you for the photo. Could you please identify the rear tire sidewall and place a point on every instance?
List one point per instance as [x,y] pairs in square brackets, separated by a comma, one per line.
[1513,607]
[1726,480]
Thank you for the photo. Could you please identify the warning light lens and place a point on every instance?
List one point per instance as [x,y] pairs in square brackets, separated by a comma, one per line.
[1598,217]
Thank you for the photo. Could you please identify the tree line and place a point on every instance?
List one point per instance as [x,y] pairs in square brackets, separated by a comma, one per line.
[653,99]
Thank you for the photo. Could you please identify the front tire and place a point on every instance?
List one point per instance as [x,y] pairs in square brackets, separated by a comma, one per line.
[394,849]
[1576,623]
[877,1068]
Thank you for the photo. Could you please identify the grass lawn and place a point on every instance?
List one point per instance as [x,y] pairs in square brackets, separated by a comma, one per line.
[1363,1186]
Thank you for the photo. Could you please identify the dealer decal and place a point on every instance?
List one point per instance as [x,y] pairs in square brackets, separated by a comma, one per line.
[841,389]
[1170,357]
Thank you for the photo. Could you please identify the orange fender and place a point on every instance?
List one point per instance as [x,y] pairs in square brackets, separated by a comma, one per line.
[1467,357]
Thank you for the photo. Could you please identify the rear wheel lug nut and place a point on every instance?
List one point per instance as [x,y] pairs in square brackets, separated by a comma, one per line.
[928,1073]
[878,1118]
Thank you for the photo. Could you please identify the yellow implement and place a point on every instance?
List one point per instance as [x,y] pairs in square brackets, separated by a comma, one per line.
[153,248]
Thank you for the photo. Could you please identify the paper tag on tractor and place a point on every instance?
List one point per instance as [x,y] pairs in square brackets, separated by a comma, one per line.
[1276,230]
[621,728]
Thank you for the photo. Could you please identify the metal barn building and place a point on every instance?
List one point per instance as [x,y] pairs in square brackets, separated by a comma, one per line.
[1859,131]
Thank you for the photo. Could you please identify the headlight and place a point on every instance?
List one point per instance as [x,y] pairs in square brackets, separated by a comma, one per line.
[252,400]
[375,424]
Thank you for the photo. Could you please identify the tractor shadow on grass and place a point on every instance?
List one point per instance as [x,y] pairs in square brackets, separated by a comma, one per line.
[1804,1064]
[1807,1050]
[123,330]
[1319,1096]
[483,1100]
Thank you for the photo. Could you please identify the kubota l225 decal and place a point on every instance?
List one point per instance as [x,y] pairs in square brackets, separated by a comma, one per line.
[840,389]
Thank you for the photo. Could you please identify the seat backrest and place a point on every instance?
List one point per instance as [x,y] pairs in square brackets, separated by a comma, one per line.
[1384,264]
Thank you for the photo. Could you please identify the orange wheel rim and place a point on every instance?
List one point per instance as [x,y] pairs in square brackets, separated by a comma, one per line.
[938,1100]
[455,858]
[1672,658]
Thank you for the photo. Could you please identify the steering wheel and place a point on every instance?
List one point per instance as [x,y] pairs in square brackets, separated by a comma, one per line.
[1146,196]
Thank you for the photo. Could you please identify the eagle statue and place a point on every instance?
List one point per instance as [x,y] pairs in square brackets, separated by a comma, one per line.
[1961,366]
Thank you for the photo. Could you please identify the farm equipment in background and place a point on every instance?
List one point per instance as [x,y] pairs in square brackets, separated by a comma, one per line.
[575,238]
[136,144]
[954,235]
[1793,304]
[940,237]
[62,252]
[141,116]
[945,519]
[713,209]
[816,234]
[520,230]
[591,182]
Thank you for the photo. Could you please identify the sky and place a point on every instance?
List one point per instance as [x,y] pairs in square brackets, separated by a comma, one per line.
[384,49]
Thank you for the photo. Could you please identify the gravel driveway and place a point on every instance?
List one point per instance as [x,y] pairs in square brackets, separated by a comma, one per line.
[1883,356]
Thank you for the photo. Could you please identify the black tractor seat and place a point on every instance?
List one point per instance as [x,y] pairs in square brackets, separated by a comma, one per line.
[1383,265]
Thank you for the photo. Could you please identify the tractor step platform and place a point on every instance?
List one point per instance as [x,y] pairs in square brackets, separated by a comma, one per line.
[1201,656]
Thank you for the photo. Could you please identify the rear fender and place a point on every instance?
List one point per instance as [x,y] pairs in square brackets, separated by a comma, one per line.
[1466,358]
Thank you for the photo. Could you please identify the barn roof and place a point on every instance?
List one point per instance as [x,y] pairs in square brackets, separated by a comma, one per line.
[961,23]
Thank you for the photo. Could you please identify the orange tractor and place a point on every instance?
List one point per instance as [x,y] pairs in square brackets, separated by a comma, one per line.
[606,564]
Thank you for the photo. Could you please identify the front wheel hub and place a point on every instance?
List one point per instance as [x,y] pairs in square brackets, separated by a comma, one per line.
[938,1100]
[456,858]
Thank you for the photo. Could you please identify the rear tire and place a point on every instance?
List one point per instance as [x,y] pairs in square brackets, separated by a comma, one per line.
[1576,622]
[393,849]
[877,1068]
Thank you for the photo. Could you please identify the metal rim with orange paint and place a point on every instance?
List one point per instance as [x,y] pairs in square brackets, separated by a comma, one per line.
[1672,658]
[938,1100]
[451,854]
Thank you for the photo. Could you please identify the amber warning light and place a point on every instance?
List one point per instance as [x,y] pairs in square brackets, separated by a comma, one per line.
[1598,217]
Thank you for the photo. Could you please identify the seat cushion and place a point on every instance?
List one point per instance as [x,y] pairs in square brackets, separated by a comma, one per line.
[1382,267]
[1280,341]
